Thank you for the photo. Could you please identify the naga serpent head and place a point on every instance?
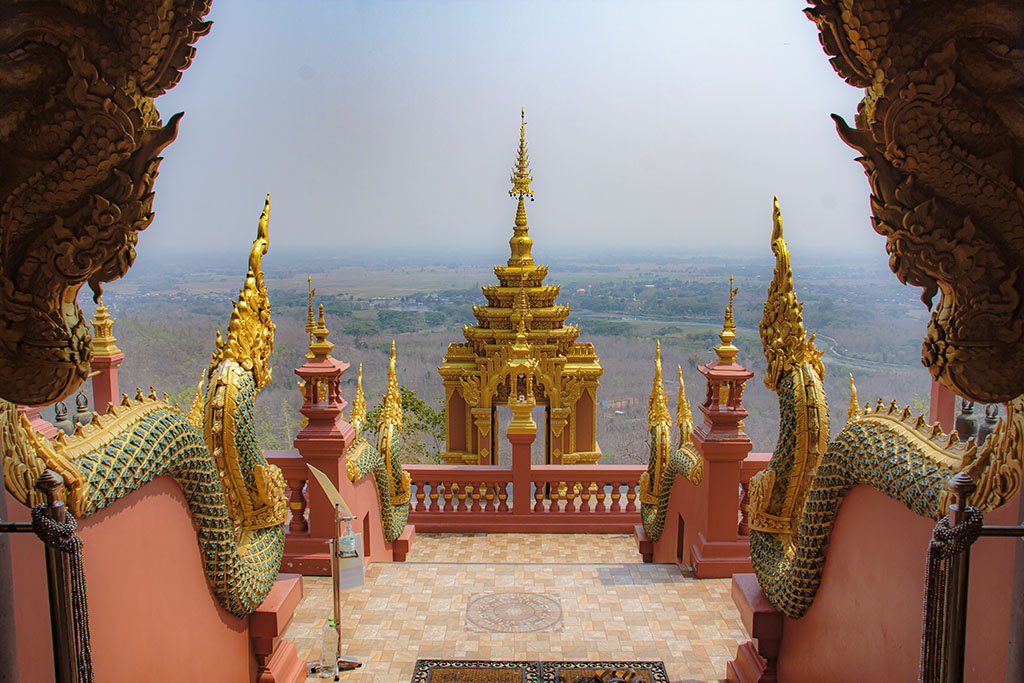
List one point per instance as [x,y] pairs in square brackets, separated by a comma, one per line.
[941,136]
[250,340]
[786,344]
[80,140]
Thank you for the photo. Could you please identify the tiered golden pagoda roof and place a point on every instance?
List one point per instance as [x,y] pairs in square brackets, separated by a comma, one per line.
[495,320]
[521,345]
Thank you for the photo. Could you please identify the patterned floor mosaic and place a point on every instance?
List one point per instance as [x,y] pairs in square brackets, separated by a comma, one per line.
[611,607]
[514,612]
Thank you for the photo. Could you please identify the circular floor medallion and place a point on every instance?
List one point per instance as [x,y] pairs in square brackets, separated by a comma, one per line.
[514,612]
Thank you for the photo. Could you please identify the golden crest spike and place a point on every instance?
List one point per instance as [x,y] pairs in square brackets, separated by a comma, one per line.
[358,414]
[391,405]
[657,405]
[853,412]
[263,231]
[684,418]
[776,220]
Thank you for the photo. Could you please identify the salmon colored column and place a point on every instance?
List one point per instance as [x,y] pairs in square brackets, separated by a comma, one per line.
[942,406]
[522,431]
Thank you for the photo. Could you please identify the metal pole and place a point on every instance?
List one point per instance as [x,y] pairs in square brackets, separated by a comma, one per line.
[961,486]
[58,583]
[335,575]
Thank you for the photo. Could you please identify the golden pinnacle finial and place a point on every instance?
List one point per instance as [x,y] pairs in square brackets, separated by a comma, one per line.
[521,177]
[321,348]
[521,242]
[391,405]
[785,341]
[853,412]
[684,418]
[727,351]
[730,321]
[250,334]
[657,405]
[103,339]
[310,322]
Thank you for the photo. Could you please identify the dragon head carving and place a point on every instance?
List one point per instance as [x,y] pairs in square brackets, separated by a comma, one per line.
[80,140]
[941,134]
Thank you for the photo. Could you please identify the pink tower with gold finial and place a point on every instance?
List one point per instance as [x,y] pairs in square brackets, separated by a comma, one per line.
[106,359]
[714,546]
[322,443]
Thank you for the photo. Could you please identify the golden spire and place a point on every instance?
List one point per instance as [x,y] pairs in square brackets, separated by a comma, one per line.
[321,348]
[853,412]
[103,332]
[786,345]
[726,351]
[358,414]
[250,336]
[391,405]
[684,418]
[521,243]
[657,405]
[310,324]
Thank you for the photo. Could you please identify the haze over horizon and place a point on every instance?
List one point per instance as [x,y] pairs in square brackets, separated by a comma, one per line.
[652,126]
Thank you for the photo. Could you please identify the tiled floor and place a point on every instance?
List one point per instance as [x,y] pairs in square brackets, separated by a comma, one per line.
[612,607]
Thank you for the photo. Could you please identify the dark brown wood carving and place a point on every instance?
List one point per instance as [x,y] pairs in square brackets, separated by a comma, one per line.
[941,134]
[80,140]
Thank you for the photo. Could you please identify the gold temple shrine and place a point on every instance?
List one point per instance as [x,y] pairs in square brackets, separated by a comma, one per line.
[521,343]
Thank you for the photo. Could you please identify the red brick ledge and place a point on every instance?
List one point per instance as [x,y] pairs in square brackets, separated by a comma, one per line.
[276,659]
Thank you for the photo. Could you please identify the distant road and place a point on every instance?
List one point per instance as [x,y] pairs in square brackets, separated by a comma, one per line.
[860,363]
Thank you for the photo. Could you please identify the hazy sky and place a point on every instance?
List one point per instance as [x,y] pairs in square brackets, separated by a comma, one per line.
[660,124]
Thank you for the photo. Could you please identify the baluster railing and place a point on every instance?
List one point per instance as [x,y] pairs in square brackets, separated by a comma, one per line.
[297,504]
[418,505]
[616,495]
[588,498]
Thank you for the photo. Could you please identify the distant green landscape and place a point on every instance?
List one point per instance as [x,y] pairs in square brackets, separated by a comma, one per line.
[867,322]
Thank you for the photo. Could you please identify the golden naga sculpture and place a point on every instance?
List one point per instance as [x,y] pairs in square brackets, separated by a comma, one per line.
[80,140]
[794,501]
[394,485]
[940,136]
[655,487]
[236,498]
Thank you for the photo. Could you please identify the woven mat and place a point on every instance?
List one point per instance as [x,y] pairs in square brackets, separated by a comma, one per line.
[476,671]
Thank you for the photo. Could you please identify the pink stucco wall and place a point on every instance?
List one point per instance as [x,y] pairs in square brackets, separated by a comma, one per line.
[865,623]
[153,615]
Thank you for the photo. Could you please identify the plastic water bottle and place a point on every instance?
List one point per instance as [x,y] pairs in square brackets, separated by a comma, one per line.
[329,651]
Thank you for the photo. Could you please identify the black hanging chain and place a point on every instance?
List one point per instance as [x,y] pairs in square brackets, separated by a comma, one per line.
[947,542]
[63,538]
